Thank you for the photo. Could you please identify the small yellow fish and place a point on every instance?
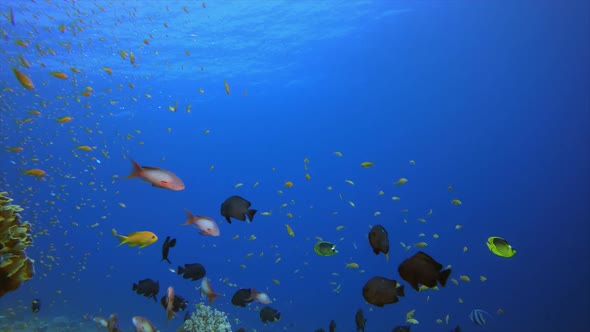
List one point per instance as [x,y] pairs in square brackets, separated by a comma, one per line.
[458,227]
[288,184]
[381,193]
[465,249]
[377,213]
[421,245]
[460,300]
[24,80]
[276,281]
[289,230]
[34,172]
[366,164]
[435,236]
[64,119]
[395,198]
[412,162]
[267,213]
[351,203]
[500,311]
[338,153]
[339,228]
[464,278]
[226,86]
[456,202]
[352,266]
[410,317]
[349,182]
[401,181]
[421,220]
[252,237]
[447,319]
[439,321]
[482,278]
[235,237]
[238,185]
[455,281]
[430,212]
[307,176]
[141,239]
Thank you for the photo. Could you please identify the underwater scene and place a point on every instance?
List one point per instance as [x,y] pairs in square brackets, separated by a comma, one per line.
[277,165]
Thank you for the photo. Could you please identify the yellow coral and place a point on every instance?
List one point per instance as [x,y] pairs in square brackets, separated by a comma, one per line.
[15,237]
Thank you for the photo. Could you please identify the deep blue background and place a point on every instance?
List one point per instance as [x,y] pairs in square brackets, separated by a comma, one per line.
[490,97]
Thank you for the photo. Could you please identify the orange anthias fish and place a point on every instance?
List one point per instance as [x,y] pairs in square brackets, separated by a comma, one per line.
[34,172]
[207,291]
[205,224]
[170,303]
[84,148]
[158,177]
[59,74]
[64,119]
[259,297]
[24,80]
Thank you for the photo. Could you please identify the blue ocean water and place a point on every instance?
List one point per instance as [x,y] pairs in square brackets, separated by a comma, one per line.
[489,97]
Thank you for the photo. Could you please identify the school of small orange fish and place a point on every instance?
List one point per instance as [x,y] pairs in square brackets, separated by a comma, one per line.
[90,147]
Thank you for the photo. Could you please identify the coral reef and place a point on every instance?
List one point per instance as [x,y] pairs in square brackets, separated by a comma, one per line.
[207,319]
[15,237]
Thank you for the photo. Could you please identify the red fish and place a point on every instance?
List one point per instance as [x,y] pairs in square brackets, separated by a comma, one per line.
[158,177]
[208,291]
[205,224]
[170,303]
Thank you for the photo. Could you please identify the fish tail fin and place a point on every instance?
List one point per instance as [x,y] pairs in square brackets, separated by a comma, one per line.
[228,220]
[251,214]
[252,294]
[122,238]
[444,275]
[166,259]
[189,217]
[135,172]
[170,314]
[212,297]
[400,291]
[180,270]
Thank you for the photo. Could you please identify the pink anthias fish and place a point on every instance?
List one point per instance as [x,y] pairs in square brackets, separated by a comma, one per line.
[259,297]
[142,324]
[205,224]
[169,303]
[158,177]
[207,291]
